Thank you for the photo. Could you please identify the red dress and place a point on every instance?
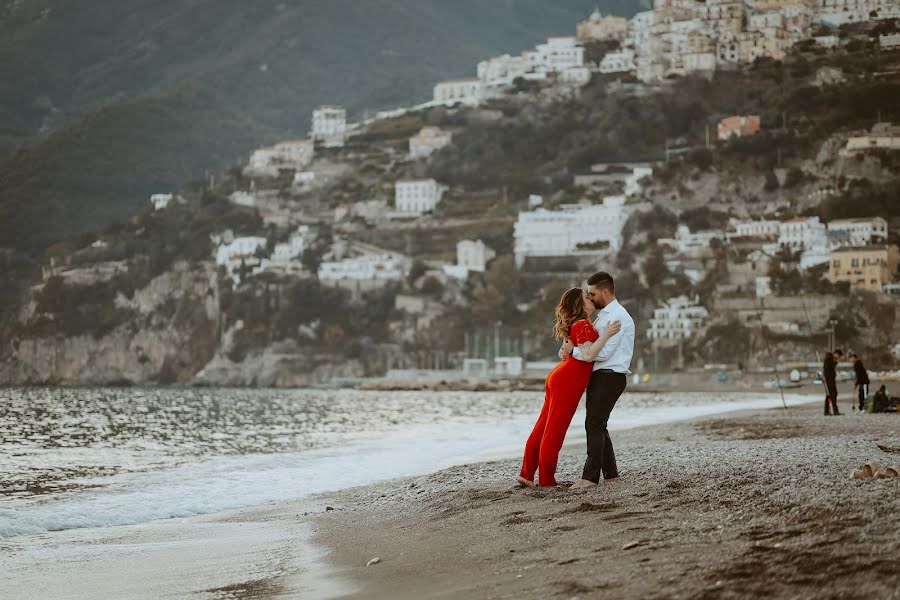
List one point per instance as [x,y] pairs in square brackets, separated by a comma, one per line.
[563,389]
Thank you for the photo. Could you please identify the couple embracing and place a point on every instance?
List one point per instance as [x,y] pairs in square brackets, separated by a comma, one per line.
[595,357]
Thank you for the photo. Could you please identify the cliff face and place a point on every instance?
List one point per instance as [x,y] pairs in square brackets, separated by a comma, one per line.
[173,333]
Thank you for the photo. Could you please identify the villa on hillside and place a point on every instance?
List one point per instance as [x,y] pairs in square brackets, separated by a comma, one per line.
[575,229]
[329,126]
[428,141]
[417,196]
[290,154]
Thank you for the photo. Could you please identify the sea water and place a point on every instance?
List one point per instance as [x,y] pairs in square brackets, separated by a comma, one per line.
[72,458]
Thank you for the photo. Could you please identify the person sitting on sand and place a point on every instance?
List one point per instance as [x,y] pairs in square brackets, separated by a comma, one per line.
[564,387]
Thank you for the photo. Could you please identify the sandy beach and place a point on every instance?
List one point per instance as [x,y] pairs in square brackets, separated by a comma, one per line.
[755,504]
[749,504]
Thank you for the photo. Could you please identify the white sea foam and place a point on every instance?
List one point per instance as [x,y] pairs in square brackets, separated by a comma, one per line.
[237,481]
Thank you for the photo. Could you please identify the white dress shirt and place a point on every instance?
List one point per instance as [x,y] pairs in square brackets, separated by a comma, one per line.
[616,354]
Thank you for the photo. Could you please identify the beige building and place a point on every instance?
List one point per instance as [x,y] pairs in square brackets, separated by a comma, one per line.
[868,267]
[598,27]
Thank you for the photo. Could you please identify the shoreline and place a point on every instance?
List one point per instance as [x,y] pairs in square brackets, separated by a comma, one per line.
[749,504]
[683,498]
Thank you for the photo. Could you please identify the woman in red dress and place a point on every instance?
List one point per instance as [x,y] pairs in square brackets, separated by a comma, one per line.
[563,389]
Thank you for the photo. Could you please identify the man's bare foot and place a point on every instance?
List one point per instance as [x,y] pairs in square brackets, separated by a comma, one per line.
[525,482]
[612,479]
[583,483]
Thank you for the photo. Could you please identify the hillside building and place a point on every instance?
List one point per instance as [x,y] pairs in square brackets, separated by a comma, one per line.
[290,154]
[883,136]
[738,126]
[600,28]
[678,319]
[866,267]
[329,126]
[417,196]
[428,141]
[575,229]
[160,201]
[458,91]
[240,252]
[691,243]
[285,258]
[760,230]
[861,232]
[362,272]
[621,61]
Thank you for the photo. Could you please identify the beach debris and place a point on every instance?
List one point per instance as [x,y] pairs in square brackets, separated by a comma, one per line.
[374,561]
[867,470]
[329,508]
[889,449]
[631,545]
[887,472]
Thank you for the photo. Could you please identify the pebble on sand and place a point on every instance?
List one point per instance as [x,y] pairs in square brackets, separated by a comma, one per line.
[631,545]
[374,561]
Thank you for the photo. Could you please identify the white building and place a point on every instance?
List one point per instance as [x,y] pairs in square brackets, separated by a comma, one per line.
[883,136]
[686,242]
[621,61]
[242,198]
[802,233]
[373,269]
[763,287]
[473,255]
[160,201]
[839,12]
[418,196]
[329,126]
[428,141]
[286,255]
[861,232]
[678,319]
[304,177]
[290,154]
[576,229]
[576,75]
[558,54]
[458,91]
[241,252]
[502,70]
[633,185]
[762,229]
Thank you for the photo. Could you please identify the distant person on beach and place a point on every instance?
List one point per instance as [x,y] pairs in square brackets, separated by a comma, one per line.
[610,367]
[563,389]
[862,380]
[829,374]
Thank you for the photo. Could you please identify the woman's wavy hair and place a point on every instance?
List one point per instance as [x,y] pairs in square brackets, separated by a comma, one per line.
[569,310]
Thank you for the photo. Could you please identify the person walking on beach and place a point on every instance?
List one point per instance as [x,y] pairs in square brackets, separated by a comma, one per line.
[829,374]
[610,367]
[862,380]
[563,389]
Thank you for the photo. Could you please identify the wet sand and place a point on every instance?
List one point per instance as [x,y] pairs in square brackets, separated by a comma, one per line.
[754,504]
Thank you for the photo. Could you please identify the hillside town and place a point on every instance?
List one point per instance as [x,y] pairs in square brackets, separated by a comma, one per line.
[369,216]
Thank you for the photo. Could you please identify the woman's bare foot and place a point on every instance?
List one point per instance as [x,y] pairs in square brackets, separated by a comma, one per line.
[525,482]
[583,483]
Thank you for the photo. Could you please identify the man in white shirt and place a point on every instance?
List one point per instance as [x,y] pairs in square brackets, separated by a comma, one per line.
[607,381]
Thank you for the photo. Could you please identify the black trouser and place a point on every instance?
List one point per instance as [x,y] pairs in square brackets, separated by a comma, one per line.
[863,392]
[603,390]
[831,391]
